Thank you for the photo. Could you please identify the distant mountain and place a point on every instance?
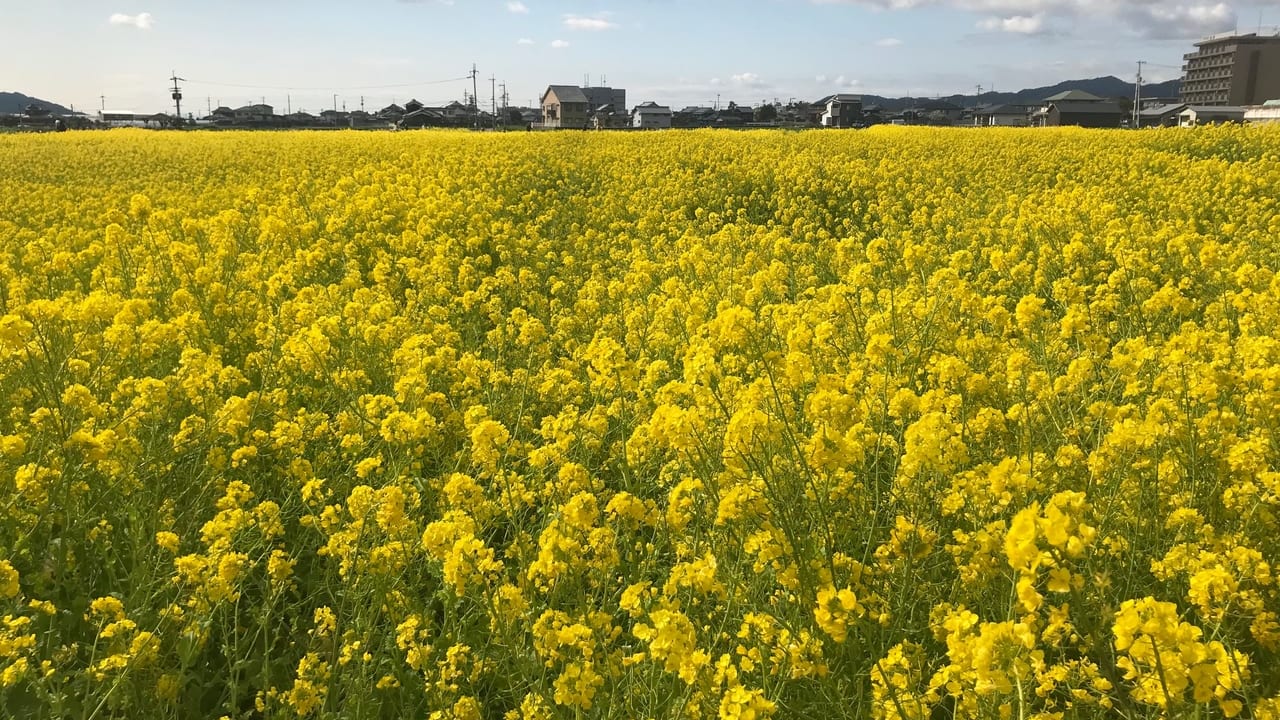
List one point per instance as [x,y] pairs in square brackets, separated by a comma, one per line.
[1107,87]
[16,103]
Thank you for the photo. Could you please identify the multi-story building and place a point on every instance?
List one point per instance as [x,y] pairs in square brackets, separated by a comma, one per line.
[1232,69]
[841,110]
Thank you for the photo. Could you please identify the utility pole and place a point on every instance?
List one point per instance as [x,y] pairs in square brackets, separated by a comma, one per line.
[361,103]
[504,104]
[288,104]
[1137,97]
[103,100]
[177,97]
[493,99]
[335,107]
[208,105]
[475,103]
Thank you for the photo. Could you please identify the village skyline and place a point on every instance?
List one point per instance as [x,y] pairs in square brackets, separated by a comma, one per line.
[311,56]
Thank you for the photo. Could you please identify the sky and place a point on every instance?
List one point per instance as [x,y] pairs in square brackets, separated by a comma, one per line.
[119,54]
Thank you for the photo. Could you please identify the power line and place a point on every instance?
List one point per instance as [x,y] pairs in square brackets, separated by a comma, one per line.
[329,87]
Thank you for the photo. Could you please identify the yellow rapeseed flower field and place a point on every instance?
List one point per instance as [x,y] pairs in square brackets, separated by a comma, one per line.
[902,423]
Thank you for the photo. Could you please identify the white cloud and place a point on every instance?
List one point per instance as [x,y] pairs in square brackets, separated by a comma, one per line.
[888,42]
[1182,21]
[142,21]
[525,41]
[820,79]
[1017,24]
[1150,18]
[583,22]
[517,7]
[748,80]
[558,44]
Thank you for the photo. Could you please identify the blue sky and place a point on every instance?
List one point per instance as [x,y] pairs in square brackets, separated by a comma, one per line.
[674,52]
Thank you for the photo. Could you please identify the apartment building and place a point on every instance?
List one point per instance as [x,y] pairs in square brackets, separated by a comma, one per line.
[1232,69]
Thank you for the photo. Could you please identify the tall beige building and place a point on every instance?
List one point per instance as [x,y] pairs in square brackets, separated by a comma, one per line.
[1232,69]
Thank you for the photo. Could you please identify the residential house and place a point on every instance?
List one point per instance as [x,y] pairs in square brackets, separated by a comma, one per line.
[1040,116]
[1160,115]
[301,119]
[1087,113]
[421,118]
[938,112]
[796,113]
[413,106]
[564,106]
[598,96]
[1232,69]
[651,116]
[530,116]
[392,113]
[606,117]
[257,112]
[693,116]
[336,118]
[841,110]
[1267,112]
[1195,115]
[1002,115]
[733,112]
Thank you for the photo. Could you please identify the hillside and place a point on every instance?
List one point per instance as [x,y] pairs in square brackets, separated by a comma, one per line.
[14,102]
[1109,86]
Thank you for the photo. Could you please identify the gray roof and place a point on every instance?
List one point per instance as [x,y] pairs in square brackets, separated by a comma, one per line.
[1212,109]
[1002,109]
[1074,96]
[1159,110]
[839,97]
[566,93]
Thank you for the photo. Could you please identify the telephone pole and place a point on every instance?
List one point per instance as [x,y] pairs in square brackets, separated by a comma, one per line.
[1137,97]
[177,97]
[493,99]
[475,95]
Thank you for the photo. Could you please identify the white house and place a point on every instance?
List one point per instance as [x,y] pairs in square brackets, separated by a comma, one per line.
[1267,112]
[1204,114]
[1002,116]
[841,110]
[651,116]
